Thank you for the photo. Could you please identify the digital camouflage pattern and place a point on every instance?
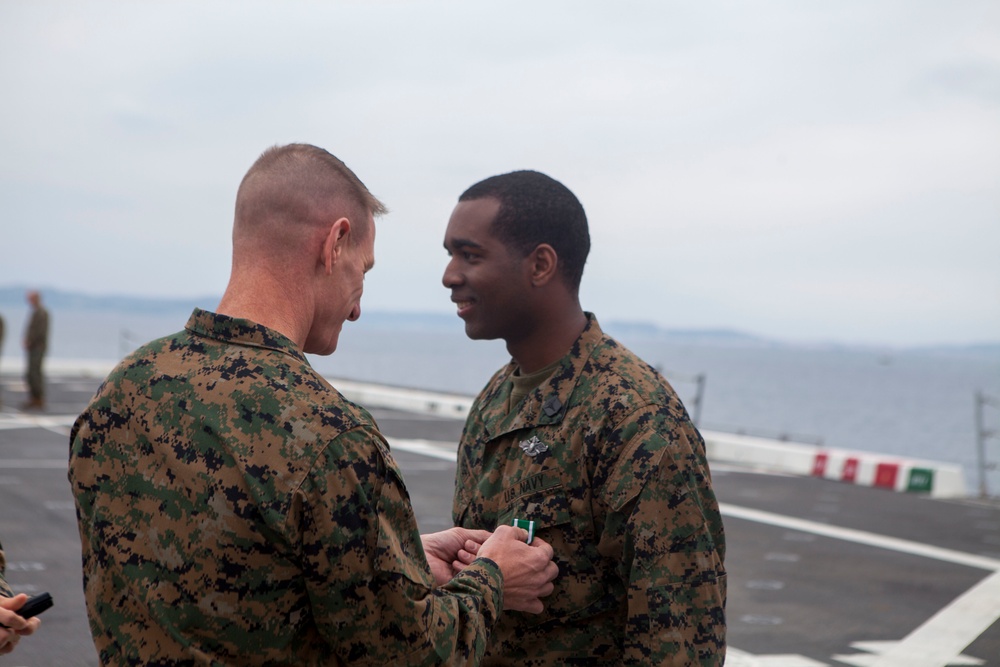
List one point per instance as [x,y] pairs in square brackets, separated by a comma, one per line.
[603,458]
[5,590]
[234,508]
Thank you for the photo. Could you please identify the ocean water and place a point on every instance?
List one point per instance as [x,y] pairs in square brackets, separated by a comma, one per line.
[907,403]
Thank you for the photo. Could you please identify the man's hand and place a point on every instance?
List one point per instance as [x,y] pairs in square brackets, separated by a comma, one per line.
[16,626]
[528,570]
[442,550]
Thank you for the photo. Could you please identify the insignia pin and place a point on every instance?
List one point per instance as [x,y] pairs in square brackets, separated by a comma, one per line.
[533,446]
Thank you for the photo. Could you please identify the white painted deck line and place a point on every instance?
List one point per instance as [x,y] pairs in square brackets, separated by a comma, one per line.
[946,634]
[34,464]
[862,537]
[437,450]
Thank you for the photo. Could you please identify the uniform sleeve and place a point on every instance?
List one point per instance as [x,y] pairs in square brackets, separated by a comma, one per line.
[663,526]
[5,590]
[369,584]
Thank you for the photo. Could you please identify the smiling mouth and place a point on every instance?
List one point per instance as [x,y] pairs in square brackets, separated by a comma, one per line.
[463,306]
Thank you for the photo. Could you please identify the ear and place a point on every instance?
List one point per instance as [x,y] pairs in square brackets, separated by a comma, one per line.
[543,263]
[334,243]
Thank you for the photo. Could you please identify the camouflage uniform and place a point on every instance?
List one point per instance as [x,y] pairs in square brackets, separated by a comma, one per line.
[5,590]
[602,456]
[234,508]
[1,357]
[36,341]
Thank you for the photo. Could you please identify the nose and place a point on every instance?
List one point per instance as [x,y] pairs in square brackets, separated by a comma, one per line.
[355,312]
[452,277]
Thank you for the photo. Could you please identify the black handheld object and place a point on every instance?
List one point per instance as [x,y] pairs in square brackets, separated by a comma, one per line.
[35,605]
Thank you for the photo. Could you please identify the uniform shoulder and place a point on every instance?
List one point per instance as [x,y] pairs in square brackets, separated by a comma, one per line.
[620,384]
[625,371]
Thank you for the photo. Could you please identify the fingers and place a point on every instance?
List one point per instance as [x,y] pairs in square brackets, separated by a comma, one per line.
[13,604]
[528,569]
[12,625]
[508,532]
[533,607]
[539,543]
[474,535]
[551,571]
[8,614]
[30,627]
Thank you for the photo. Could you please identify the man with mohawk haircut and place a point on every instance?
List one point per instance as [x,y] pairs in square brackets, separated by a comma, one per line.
[235,509]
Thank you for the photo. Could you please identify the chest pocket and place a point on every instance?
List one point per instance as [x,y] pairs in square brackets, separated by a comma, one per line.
[568,525]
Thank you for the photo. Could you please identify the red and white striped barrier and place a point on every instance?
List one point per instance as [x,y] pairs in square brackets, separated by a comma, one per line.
[939,480]
[892,473]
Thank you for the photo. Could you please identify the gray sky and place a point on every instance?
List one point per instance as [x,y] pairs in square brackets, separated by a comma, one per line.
[801,170]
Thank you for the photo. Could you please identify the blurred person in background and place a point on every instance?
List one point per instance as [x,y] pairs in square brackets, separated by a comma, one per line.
[1,357]
[36,341]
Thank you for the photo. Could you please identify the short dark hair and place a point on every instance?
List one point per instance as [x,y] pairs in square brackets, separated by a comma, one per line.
[536,209]
[301,181]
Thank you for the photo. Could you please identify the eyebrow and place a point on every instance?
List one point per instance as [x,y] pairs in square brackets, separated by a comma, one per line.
[459,244]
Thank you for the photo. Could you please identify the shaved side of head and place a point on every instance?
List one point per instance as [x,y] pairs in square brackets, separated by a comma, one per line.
[293,190]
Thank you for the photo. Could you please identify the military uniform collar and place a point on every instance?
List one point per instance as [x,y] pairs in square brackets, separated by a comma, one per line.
[547,403]
[240,332]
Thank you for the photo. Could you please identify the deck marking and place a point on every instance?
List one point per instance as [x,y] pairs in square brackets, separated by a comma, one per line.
[945,635]
[34,464]
[941,639]
[862,537]
[875,650]
[430,448]
[737,658]
[50,422]
[761,619]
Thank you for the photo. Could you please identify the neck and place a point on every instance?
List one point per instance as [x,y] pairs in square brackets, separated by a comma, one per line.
[268,302]
[550,340]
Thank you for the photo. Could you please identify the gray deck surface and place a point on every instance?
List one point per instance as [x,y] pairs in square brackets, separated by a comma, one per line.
[820,572]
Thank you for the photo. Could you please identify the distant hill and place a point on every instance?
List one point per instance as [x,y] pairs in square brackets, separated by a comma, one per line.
[974,351]
[634,329]
[12,299]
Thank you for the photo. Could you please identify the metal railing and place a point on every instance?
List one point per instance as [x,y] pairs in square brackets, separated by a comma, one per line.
[768,434]
[982,435]
[695,404]
[699,380]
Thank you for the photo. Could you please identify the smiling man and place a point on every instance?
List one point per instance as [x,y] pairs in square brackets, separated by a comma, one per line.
[235,509]
[584,440]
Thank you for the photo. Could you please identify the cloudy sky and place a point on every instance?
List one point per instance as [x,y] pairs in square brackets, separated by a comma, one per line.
[800,170]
